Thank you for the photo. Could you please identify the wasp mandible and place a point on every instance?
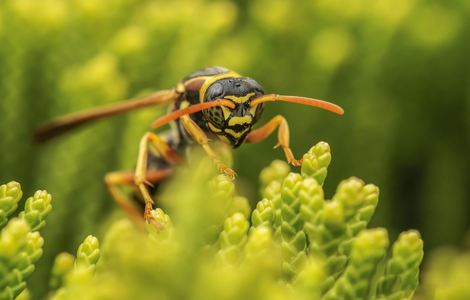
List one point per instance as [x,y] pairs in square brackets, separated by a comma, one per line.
[211,103]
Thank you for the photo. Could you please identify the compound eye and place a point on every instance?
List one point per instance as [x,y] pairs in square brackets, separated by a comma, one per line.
[216,91]
[257,111]
[256,87]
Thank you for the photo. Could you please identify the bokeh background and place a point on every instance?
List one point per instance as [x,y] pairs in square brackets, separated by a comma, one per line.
[400,69]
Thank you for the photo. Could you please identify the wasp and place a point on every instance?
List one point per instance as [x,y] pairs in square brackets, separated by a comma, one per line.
[213,103]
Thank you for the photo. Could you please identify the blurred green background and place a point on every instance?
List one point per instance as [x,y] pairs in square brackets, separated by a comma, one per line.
[400,69]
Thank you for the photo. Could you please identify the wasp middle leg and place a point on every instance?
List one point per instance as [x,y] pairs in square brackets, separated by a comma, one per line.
[282,138]
[170,155]
[114,180]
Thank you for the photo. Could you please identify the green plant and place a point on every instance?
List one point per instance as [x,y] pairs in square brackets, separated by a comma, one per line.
[446,274]
[20,242]
[59,56]
[69,272]
[318,249]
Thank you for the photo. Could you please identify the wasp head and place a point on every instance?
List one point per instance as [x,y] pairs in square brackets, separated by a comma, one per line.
[232,125]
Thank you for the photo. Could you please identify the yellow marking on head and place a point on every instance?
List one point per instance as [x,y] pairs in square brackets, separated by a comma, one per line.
[240,120]
[211,79]
[183,104]
[240,99]
[226,112]
[213,128]
[253,109]
[236,134]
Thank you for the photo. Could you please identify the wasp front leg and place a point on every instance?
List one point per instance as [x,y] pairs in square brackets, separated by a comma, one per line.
[140,179]
[201,138]
[266,130]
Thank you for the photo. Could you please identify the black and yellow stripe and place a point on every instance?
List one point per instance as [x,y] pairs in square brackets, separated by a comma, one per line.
[231,125]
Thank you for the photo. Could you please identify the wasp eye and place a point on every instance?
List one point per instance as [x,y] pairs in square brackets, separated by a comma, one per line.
[258,111]
[215,91]
[255,86]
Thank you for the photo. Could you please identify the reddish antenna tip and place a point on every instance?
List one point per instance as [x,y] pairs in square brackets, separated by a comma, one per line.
[300,100]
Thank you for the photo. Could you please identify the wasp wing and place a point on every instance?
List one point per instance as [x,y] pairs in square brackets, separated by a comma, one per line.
[64,124]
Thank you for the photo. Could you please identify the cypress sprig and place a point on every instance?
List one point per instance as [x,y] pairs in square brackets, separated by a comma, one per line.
[357,282]
[294,241]
[333,229]
[233,238]
[36,210]
[163,232]
[240,204]
[261,251]
[88,253]
[33,251]
[63,264]
[222,188]
[326,233]
[271,178]
[13,239]
[10,195]
[222,191]
[358,201]
[316,161]
[24,295]
[446,275]
[18,251]
[20,243]
[263,215]
[311,204]
[276,171]
[339,260]
[272,193]
[401,276]
[311,279]
[353,194]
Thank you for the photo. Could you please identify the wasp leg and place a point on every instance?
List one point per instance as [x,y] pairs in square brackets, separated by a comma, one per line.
[283,137]
[115,179]
[201,138]
[168,153]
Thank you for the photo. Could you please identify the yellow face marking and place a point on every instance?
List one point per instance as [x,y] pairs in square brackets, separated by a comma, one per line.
[226,112]
[240,99]
[184,104]
[239,120]
[253,109]
[211,79]
[236,134]
[213,128]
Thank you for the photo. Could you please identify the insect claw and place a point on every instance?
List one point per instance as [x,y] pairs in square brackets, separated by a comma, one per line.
[296,162]
[148,183]
[156,224]
[232,175]
[227,172]
[148,216]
